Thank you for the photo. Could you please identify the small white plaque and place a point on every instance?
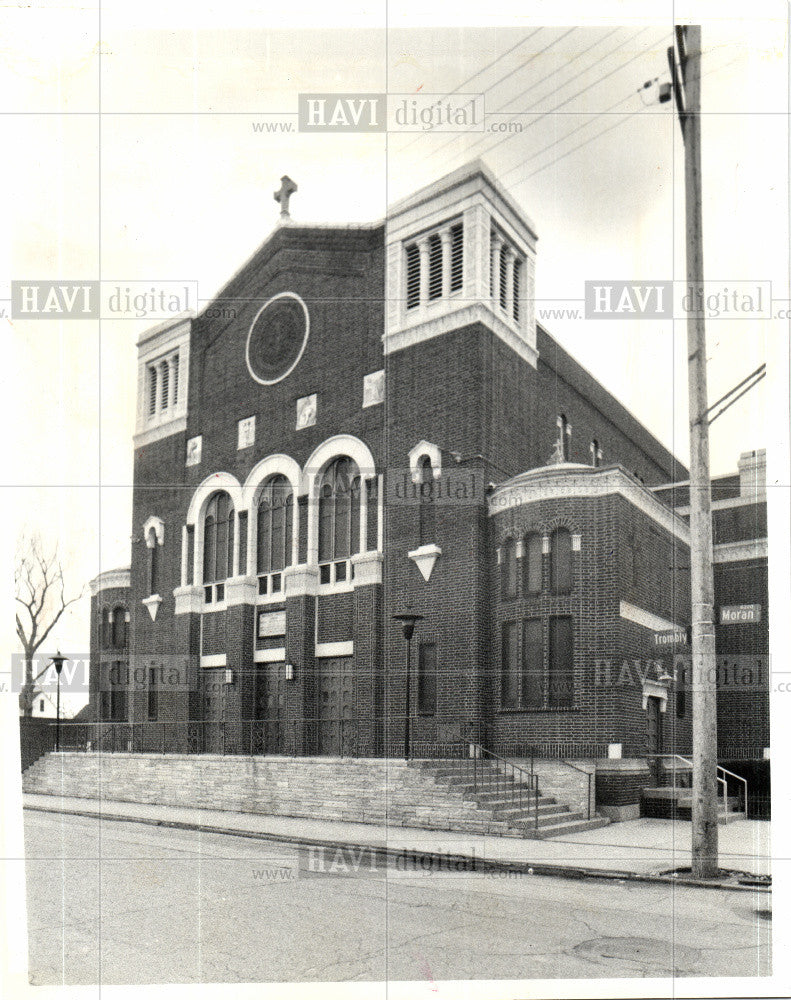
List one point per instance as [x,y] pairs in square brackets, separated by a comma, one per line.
[194,450]
[374,388]
[246,436]
[306,411]
[271,623]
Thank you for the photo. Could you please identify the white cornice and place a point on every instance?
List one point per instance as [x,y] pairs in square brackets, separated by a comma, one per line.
[567,481]
[110,579]
[743,501]
[647,619]
[477,312]
[752,548]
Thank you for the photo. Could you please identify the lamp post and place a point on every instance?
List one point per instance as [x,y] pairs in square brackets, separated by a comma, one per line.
[58,660]
[409,621]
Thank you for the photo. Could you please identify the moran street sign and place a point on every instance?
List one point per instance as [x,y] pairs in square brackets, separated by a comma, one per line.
[739,614]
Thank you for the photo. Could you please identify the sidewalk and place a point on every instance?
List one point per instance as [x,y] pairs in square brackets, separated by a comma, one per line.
[638,849]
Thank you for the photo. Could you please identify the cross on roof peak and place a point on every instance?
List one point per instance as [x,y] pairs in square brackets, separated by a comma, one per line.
[287,188]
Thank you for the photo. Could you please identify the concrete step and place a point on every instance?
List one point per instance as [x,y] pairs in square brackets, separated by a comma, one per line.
[573,826]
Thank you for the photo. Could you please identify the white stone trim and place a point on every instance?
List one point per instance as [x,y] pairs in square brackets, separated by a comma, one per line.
[728,502]
[424,558]
[570,480]
[654,689]
[214,660]
[334,649]
[176,426]
[270,623]
[274,298]
[367,568]
[753,548]
[189,600]
[426,327]
[159,528]
[153,347]
[110,579]
[332,448]
[152,603]
[647,619]
[277,655]
[272,465]
[240,590]
[300,580]
[425,449]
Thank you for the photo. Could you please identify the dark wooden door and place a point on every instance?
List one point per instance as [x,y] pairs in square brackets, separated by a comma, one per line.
[654,736]
[213,701]
[270,735]
[336,706]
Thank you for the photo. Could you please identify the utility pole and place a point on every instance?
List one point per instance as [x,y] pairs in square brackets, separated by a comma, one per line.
[705,860]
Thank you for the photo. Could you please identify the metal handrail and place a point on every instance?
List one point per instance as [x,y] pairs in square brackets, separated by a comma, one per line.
[722,781]
[575,767]
[480,753]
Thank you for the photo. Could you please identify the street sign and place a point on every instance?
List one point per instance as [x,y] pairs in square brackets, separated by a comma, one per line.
[671,637]
[740,614]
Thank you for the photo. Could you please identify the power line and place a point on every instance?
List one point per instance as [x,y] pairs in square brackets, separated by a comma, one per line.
[480,71]
[600,114]
[533,85]
[568,100]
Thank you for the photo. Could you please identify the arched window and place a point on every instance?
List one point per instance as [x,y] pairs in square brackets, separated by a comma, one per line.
[106,637]
[217,544]
[151,545]
[339,518]
[119,627]
[533,568]
[508,571]
[274,531]
[561,561]
[427,503]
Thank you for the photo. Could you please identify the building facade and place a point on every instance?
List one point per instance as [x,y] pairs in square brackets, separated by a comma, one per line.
[367,421]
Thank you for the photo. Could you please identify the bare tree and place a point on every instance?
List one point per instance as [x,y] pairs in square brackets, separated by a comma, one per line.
[41,600]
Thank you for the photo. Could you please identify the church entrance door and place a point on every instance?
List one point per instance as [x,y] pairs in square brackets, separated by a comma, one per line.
[336,736]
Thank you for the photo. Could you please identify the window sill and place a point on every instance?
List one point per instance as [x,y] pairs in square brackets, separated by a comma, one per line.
[538,709]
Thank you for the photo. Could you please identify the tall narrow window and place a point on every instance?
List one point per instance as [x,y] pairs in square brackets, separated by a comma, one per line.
[275,526]
[561,561]
[339,511]
[504,251]
[106,636]
[151,545]
[534,559]
[153,694]
[596,453]
[164,370]
[517,286]
[412,276]
[434,267]
[561,663]
[508,569]
[533,663]
[218,539]
[426,503]
[119,627]
[509,684]
[456,257]
[564,434]
[427,678]
[174,367]
[152,391]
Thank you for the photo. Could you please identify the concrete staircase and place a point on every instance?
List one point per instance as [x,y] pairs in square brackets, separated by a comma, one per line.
[500,795]
[676,803]
[426,794]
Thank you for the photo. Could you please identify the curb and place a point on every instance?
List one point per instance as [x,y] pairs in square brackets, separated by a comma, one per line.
[385,852]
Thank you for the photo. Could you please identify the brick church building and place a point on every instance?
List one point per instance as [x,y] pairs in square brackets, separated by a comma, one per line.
[368,421]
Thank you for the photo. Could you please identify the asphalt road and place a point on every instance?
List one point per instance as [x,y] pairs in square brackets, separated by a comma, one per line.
[120,903]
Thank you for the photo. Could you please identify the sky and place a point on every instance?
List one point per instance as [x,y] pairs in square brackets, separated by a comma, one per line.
[133,156]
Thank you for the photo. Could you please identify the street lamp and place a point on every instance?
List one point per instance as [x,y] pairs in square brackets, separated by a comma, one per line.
[58,660]
[409,621]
